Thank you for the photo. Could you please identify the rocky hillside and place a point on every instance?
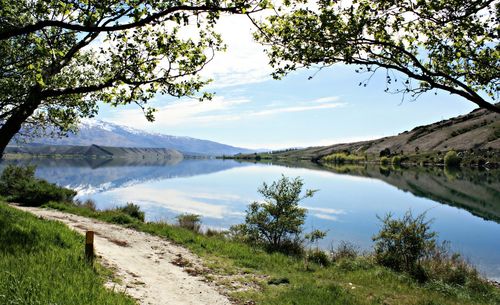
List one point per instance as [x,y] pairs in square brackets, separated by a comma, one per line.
[479,129]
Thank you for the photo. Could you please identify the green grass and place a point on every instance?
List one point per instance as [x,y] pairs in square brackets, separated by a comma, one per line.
[341,158]
[372,284]
[41,262]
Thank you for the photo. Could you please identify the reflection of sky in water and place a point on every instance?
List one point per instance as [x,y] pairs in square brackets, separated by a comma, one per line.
[346,206]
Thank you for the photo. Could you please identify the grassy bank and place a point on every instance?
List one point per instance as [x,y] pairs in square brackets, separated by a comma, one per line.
[466,158]
[280,279]
[41,262]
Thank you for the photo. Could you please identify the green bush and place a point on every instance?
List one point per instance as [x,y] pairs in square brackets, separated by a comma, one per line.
[451,159]
[277,222]
[318,257]
[384,161]
[14,179]
[132,210]
[345,250]
[129,215]
[214,232]
[386,152]
[241,233]
[396,160]
[88,204]
[19,184]
[495,134]
[121,219]
[341,158]
[450,268]
[402,243]
[189,221]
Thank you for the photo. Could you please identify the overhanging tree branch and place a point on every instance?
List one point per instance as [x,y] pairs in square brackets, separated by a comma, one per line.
[31,28]
[451,46]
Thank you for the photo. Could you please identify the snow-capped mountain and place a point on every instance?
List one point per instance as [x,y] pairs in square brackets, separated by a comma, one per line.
[110,134]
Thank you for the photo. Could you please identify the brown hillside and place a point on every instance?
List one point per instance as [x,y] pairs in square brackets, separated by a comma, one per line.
[479,129]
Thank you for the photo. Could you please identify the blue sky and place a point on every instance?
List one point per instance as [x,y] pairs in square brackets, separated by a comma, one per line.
[252,110]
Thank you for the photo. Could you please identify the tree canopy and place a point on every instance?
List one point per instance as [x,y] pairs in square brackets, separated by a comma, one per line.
[61,57]
[422,45]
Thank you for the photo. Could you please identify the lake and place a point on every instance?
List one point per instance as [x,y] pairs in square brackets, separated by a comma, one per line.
[464,205]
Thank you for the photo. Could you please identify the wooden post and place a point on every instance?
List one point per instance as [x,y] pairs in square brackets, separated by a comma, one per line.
[89,246]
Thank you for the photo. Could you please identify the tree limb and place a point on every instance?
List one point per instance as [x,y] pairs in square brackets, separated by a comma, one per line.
[119,27]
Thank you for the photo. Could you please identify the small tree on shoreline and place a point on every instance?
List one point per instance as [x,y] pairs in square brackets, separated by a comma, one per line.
[451,159]
[402,243]
[277,222]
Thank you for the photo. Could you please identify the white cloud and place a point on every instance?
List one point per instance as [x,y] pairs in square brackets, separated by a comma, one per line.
[328,99]
[217,111]
[178,201]
[325,213]
[296,109]
[244,61]
[326,217]
[325,210]
[180,112]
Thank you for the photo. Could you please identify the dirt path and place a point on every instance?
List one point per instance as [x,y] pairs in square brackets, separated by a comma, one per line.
[144,263]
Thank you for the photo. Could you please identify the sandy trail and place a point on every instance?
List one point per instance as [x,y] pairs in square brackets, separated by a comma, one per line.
[143,263]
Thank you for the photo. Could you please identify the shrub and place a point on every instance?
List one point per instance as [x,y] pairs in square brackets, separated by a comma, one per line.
[447,267]
[345,250]
[385,152]
[88,204]
[451,159]
[121,219]
[241,233]
[396,160]
[189,221]
[341,158]
[15,178]
[494,135]
[133,210]
[384,161]
[277,222]
[402,243]
[214,232]
[20,185]
[360,263]
[318,257]
[278,281]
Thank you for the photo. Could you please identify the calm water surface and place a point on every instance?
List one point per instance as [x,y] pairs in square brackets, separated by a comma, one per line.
[465,206]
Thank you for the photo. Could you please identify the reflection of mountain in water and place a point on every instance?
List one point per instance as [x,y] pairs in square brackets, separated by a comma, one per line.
[94,175]
[473,190]
[477,191]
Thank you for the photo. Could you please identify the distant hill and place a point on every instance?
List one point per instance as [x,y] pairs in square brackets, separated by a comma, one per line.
[95,151]
[113,135]
[479,129]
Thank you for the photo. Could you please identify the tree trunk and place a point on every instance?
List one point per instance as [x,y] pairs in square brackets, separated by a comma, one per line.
[15,121]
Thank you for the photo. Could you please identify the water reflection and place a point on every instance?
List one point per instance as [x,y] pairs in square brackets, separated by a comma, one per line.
[210,205]
[475,190]
[90,176]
